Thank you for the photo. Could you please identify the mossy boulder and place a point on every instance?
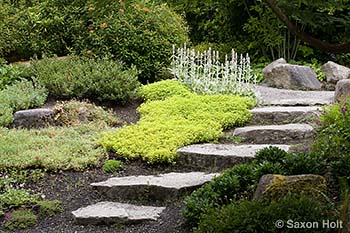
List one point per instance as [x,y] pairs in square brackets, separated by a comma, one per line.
[275,187]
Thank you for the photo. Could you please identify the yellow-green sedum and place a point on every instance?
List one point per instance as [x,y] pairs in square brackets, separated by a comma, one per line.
[176,121]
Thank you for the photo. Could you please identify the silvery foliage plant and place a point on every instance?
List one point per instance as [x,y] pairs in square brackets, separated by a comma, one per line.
[204,73]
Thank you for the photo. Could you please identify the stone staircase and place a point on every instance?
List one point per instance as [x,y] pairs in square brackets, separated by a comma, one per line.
[285,118]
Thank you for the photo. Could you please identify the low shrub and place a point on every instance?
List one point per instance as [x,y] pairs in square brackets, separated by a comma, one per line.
[261,216]
[163,89]
[49,207]
[234,184]
[21,95]
[177,121]
[73,113]
[8,75]
[76,77]
[240,181]
[21,219]
[72,148]
[111,166]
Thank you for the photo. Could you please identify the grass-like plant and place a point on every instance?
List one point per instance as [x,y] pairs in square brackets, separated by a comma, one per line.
[72,148]
[204,73]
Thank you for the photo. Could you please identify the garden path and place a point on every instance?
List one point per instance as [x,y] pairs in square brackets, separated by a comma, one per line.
[284,118]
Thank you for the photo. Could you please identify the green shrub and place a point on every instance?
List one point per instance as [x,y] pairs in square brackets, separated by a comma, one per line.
[16,198]
[139,33]
[8,75]
[177,121]
[304,163]
[270,154]
[73,76]
[21,95]
[49,208]
[73,113]
[21,219]
[234,184]
[240,181]
[332,143]
[111,166]
[261,216]
[163,89]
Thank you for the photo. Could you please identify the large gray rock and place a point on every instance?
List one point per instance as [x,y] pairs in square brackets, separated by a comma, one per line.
[218,156]
[34,118]
[272,65]
[276,187]
[276,134]
[292,77]
[114,212]
[283,97]
[284,115]
[161,187]
[335,72]
[342,90]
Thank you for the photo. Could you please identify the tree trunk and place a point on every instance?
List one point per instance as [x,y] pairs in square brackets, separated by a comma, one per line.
[317,43]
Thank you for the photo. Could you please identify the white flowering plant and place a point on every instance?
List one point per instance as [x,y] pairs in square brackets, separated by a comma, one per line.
[204,73]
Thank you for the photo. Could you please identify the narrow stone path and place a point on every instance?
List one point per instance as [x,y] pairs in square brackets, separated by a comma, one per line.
[283,119]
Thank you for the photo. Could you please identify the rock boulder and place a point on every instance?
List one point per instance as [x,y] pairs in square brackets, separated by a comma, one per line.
[275,187]
[335,72]
[34,118]
[342,90]
[293,77]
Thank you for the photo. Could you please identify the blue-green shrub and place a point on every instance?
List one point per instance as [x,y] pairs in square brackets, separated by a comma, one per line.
[79,77]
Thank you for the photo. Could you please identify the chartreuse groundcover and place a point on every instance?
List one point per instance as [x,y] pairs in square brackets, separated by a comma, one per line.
[172,117]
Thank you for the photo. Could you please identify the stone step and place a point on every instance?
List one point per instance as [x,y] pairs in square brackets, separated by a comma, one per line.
[219,156]
[284,115]
[163,187]
[116,213]
[285,97]
[276,134]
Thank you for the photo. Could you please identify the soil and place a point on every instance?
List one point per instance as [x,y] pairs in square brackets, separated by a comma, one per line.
[74,191]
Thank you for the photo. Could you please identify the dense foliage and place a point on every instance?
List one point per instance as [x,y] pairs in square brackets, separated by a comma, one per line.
[73,76]
[8,75]
[239,182]
[21,95]
[138,33]
[333,138]
[261,216]
[166,125]
[251,26]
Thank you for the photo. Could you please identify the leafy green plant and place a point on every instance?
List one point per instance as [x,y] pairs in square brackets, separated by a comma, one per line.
[332,142]
[17,198]
[138,33]
[21,219]
[78,77]
[49,207]
[111,166]
[21,95]
[163,89]
[261,216]
[177,121]
[8,75]
[233,184]
[204,73]
[73,113]
[239,182]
